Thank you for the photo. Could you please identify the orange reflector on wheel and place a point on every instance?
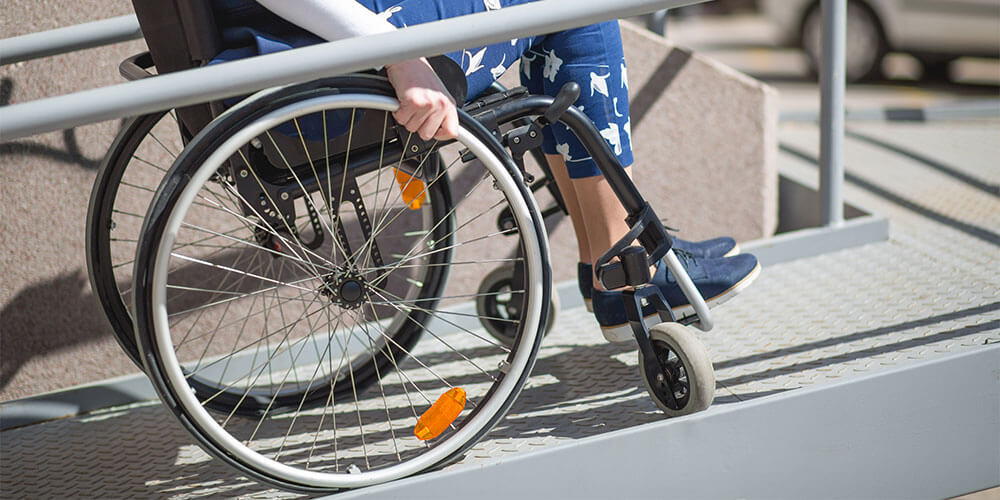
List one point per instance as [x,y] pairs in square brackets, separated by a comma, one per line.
[413,190]
[440,415]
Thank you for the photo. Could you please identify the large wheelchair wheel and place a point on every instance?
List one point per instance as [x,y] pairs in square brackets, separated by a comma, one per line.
[135,164]
[125,184]
[288,274]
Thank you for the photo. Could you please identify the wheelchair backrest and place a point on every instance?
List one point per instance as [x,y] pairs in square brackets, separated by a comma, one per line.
[185,34]
[180,34]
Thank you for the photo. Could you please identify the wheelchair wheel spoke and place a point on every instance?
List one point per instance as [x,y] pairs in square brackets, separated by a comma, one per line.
[291,243]
[265,338]
[170,151]
[408,256]
[437,314]
[380,225]
[381,388]
[148,163]
[399,372]
[383,224]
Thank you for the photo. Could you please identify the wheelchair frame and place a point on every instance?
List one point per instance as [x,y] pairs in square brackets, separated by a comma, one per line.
[180,35]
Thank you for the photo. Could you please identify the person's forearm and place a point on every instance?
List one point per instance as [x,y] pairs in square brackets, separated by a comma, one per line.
[329,19]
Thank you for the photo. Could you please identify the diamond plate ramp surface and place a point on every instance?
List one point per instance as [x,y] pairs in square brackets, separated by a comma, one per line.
[580,387]
[926,292]
[132,452]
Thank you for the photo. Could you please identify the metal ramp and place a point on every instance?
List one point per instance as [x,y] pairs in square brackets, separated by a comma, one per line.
[871,368]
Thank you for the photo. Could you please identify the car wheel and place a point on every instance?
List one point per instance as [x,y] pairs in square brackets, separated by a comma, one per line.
[937,68]
[865,45]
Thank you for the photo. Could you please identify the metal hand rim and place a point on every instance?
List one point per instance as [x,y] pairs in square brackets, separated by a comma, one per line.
[172,368]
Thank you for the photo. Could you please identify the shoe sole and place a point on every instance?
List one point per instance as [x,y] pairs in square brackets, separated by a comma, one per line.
[623,332]
[687,310]
[589,303]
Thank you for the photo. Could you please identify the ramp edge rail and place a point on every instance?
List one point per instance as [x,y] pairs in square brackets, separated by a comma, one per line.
[926,430]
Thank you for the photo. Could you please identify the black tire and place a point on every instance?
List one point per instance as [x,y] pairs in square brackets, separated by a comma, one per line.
[495,306]
[142,152]
[936,68]
[285,438]
[866,42]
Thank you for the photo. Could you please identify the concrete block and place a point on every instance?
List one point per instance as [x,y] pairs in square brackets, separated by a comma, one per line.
[706,140]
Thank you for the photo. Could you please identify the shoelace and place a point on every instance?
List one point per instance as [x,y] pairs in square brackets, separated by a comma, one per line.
[668,228]
[685,257]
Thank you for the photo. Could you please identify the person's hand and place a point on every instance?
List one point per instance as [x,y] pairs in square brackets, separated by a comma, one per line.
[425,106]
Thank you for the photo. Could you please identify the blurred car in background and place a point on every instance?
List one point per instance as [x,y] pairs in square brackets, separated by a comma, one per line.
[936,32]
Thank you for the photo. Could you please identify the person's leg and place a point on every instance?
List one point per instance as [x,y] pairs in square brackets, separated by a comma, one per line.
[598,223]
[592,57]
[558,168]
[603,217]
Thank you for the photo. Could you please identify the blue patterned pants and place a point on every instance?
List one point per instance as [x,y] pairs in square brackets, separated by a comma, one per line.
[590,55]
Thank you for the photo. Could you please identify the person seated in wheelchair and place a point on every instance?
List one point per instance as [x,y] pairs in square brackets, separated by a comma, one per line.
[592,56]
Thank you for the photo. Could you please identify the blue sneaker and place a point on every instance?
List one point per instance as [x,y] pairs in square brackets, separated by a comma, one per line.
[706,249]
[718,280]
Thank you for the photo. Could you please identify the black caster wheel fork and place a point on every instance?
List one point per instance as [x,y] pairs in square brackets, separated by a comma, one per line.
[660,377]
[640,296]
[673,363]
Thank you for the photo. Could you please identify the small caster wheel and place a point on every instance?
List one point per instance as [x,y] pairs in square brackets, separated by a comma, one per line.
[687,371]
[497,310]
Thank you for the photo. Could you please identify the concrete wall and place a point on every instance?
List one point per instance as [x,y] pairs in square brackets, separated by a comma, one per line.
[705,142]
[51,333]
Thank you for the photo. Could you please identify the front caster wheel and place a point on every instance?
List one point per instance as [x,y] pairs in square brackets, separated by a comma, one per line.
[687,371]
[498,304]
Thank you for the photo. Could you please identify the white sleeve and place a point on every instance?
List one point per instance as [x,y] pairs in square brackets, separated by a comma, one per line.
[329,19]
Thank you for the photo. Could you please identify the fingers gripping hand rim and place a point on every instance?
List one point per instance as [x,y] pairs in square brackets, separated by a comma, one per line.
[425,106]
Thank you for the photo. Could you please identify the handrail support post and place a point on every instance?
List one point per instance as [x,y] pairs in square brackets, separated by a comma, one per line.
[832,87]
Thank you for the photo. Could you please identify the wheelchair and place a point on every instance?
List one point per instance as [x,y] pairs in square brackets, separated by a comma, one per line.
[272,263]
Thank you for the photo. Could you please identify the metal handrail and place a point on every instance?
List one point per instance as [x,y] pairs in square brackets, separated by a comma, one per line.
[343,56]
[62,40]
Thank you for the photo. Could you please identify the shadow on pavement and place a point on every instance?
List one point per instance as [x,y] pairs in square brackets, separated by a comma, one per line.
[47,316]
